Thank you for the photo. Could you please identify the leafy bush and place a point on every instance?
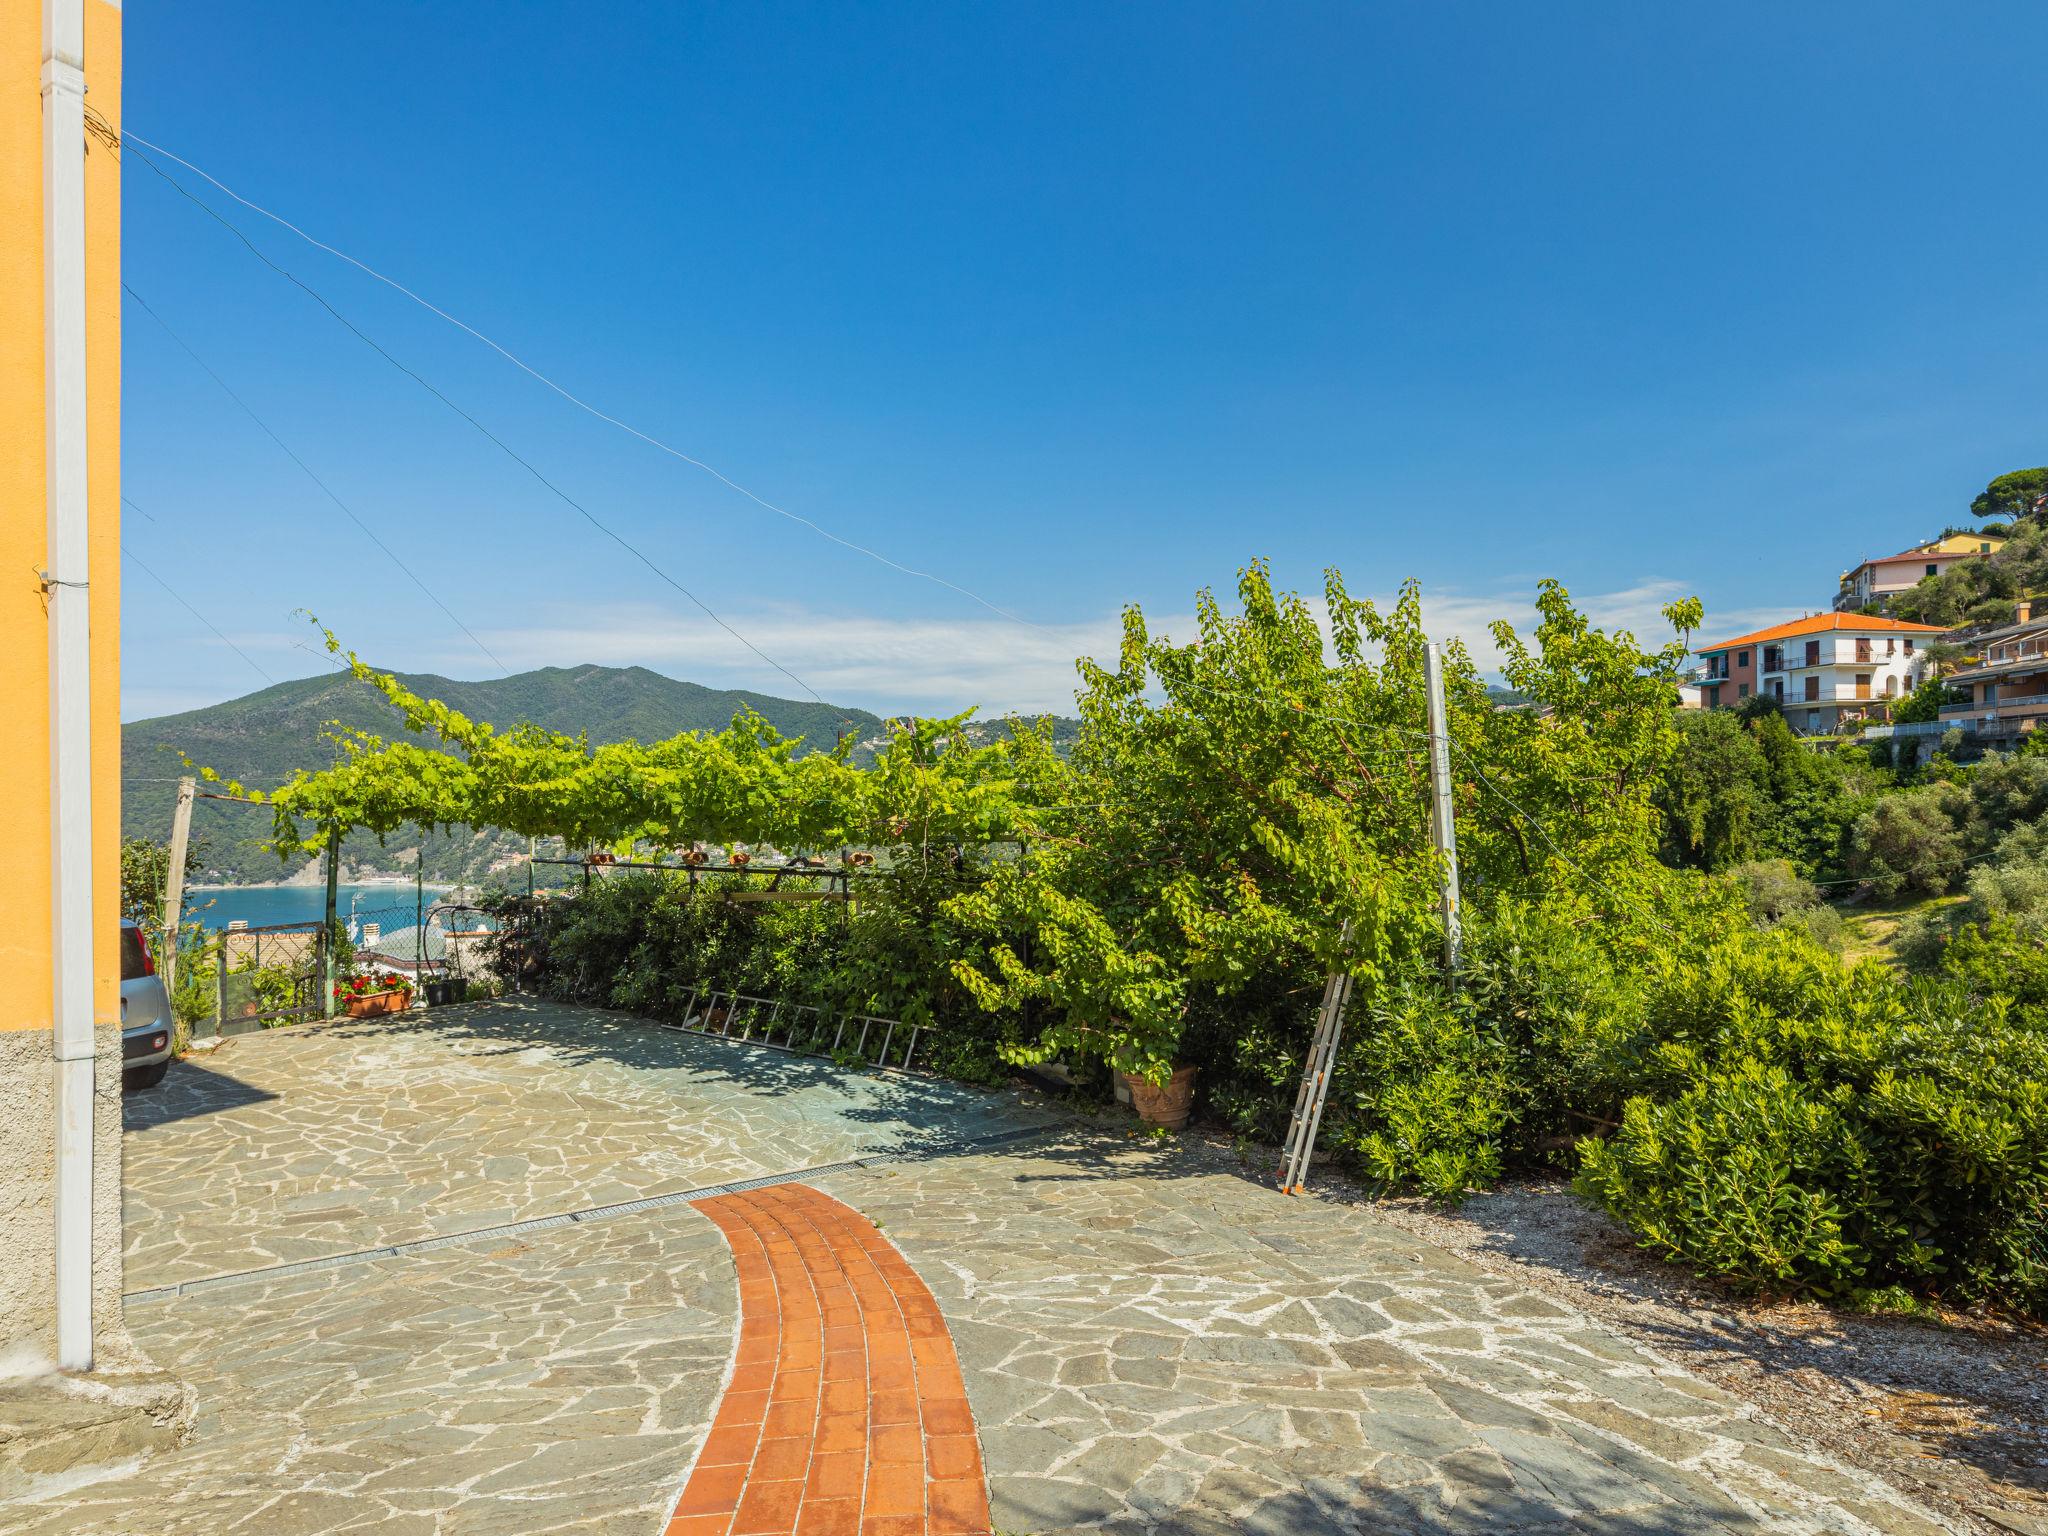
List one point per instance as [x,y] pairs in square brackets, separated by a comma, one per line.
[1925,703]
[1773,890]
[1425,1095]
[1838,1130]
[2006,790]
[1777,897]
[1821,923]
[1715,792]
[1997,959]
[647,944]
[1736,1177]
[1909,842]
[2012,888]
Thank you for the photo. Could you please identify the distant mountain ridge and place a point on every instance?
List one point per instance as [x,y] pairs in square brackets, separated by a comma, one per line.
[263,737]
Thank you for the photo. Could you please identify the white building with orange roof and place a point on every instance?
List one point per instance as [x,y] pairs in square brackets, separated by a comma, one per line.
[1820,668]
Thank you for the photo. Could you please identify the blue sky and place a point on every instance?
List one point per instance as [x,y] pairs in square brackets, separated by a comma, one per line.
[1075,305]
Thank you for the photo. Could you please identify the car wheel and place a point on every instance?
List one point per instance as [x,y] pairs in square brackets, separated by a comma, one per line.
[145,1077]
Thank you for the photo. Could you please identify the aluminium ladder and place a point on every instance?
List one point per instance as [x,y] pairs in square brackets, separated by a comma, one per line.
[1315,1084]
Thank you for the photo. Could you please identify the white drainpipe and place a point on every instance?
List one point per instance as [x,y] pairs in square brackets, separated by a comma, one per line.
[64,408]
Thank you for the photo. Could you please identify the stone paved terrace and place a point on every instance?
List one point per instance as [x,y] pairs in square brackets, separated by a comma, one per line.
[1150,1339]
[308,1142]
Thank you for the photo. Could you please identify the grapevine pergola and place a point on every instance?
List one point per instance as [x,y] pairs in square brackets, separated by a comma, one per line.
[748,783]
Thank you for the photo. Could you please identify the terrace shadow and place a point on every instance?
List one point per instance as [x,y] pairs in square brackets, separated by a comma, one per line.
[190,1089]
[921,1115]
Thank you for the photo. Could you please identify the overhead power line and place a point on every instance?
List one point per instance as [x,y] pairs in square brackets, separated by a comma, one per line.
[504,447]
[180,599]
[326,489]
[578,401]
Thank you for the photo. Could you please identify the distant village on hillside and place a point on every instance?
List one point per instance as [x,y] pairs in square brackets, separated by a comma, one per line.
[1935,638]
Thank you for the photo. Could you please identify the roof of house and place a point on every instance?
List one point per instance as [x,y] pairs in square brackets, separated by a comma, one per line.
[2029,626]
[1924,552]
[1823,623]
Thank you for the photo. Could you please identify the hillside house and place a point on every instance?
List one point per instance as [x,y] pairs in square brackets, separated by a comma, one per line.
[2007,681]
[1821,669]
[1874,582]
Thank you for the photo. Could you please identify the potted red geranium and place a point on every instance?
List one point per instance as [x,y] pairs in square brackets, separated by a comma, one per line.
[378,992]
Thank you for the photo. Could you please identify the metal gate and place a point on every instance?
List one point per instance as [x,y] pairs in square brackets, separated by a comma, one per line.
[263,977]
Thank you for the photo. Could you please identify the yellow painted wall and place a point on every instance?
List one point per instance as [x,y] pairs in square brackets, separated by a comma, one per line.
[1967,543]
[24,638]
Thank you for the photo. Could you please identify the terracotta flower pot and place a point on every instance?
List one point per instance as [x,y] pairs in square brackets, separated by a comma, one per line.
[369,1005]
[1166,1106]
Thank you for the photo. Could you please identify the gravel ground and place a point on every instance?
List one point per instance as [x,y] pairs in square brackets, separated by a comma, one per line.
[1951,1413]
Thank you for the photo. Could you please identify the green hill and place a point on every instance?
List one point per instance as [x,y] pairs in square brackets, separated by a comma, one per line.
[262,738]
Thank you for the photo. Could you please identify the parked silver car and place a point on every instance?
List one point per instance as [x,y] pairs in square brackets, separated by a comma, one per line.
[146,1030]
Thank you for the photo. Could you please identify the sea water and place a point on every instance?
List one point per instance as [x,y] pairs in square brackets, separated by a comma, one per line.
[389,906]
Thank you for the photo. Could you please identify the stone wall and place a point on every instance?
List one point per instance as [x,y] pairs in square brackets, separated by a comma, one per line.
[28,1150]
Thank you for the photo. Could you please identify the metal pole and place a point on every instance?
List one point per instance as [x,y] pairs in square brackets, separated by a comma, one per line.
[419,917]
[174,881]
[1441,826]
[66,590]
[327,932]
[529,869]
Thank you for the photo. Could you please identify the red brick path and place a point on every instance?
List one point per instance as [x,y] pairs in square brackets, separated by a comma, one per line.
[846,1415]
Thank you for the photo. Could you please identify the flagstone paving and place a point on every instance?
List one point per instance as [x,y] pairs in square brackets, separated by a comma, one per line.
[558,1383]
[311,1141]
[1151,1341]
[1155,1343]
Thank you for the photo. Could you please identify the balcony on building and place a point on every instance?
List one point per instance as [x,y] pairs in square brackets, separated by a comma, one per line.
[2008,682]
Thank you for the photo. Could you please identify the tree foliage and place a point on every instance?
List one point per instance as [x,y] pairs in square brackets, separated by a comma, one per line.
[2022,493]
[145,878]
[1715,793]
[1257,808]
[747,783]
[1245,810]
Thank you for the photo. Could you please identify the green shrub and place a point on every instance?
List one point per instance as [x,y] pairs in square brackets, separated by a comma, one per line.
[1568,1009]
[1714,793]
[2008,796]
[1908,842]
[1773,890]
[2014,889]
[1814,1127]
[648,944]
[1821,923]
[1997,958]
[1737,1178]
[1423,1095]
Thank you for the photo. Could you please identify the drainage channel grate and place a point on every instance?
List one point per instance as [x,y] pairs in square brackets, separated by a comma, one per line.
[577,1218]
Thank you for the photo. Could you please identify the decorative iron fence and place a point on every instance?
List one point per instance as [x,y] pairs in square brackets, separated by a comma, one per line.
[262,977]
[420,941]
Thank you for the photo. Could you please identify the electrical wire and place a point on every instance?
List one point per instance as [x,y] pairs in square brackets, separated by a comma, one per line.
[1536,825]
[180,598]
[574,399]
[504,447]
[1968,858]
[128,135]
[326,489]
